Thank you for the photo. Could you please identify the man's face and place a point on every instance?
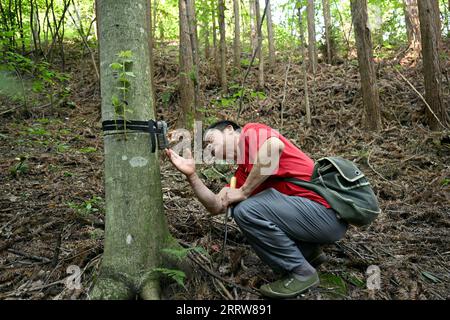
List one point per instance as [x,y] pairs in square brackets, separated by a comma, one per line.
[221,144]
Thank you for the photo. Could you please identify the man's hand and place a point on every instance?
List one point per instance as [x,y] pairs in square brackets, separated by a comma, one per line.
[230,196]
[185,165]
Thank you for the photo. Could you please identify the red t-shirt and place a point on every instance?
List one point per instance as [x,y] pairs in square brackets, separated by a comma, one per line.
[293,163]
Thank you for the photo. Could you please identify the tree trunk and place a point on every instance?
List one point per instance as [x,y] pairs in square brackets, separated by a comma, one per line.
[312,49]
[369,86]
[187,93]
[327,21]
[215,44]
[412,24]
[223,47]
[305,71]
[153,25]
[430,34]
[270,36]
[253,28]
[437,17]
[259,45]
[206,39]
[237,35]
[193,37]
[150,48]
[135,229]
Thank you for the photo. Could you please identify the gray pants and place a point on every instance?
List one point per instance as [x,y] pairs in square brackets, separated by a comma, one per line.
[284,229]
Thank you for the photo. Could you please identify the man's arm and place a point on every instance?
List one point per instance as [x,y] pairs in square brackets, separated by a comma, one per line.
[267,161]
[212,202]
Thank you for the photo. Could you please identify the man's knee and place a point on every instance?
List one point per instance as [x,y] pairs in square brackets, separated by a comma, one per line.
[241,212]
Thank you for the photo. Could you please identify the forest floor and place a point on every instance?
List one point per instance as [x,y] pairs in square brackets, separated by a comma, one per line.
[52,207]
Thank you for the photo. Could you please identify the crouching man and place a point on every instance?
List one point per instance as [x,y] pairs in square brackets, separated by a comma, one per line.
[284,223]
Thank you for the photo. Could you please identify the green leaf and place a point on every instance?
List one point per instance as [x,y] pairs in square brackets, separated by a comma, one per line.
[430,276]
[334,283]
[125,54]
[115,101]
[124,80]
[130,74]
[116,66]
[88,150]
[176,275]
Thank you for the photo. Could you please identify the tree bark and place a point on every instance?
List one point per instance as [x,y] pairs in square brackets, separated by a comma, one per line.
[223,47]
[412,24]
[135,226]
[430,34]
[305,71]
[327,22]
[259,45]
[270,36]
[187,93]
[192,21]
[215,44]
[253,28]
[312,48]
[237,35]
[206,39]
[369,86]
[150,48]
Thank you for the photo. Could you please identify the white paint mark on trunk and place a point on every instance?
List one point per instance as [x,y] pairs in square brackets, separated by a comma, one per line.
[138,162]
[129,239]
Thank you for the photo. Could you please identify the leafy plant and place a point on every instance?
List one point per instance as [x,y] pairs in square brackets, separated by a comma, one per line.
[87,207]
[19,168]
[87,150]
[177,275]
[38,131]
[121,71]
[183,252]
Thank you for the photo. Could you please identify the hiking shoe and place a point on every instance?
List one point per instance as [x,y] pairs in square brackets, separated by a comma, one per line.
[289,286]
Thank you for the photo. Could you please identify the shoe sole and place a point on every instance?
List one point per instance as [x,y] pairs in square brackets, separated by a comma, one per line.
[290,295]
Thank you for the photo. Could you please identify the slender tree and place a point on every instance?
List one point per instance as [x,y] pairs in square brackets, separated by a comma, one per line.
[305,71]
[412,24]
[270,36]
[253,28]
[223,47]
[312,48]
[206,31]
[369,86]
[430,34]
[216,52]
[187,90]
[327,22]
[259,45]
[135,227]
[237,35]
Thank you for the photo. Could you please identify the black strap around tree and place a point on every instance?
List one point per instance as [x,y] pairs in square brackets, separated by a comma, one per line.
[149,126]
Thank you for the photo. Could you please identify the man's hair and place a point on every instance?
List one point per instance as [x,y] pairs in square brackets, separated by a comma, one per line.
[221,125]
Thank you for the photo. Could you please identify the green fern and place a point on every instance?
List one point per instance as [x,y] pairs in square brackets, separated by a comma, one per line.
[183,252]
[177,275]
